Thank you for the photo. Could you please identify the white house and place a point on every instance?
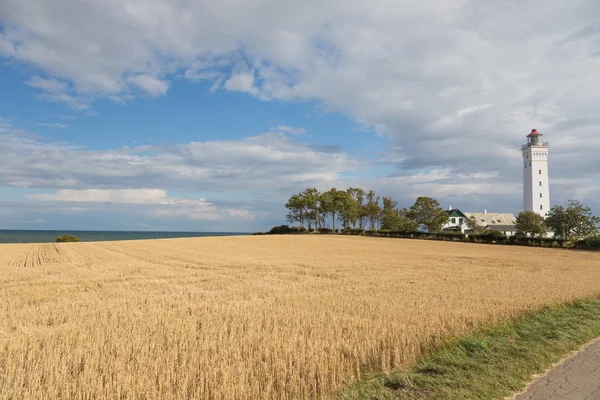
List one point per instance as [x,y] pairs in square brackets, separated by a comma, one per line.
[503,222]
[457,222]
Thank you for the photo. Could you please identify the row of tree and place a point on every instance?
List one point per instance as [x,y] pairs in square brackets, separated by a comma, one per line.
[357,208]
[574,221]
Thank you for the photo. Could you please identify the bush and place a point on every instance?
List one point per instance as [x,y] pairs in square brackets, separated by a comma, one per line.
[67,238]
[286,229]
[371,232]
[590,243]
[451,236]
[353,231]
[324,230]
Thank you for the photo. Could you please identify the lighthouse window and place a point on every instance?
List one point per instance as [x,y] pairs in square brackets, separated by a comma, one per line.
[540,183]
[541,207]
[540,171]
[540,195]
[530,163]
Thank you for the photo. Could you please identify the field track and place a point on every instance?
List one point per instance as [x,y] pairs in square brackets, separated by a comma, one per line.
[38,255]
[253,317]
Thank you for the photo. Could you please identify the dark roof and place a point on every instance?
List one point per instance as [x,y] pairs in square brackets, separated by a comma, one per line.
[455,212]
[511,228]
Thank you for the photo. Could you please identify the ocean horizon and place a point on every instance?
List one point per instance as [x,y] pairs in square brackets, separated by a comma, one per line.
[44,236]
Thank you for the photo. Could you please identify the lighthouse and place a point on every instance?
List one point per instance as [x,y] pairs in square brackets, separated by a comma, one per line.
[536,188]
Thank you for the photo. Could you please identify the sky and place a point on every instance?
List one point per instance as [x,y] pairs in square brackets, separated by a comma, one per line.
[190,115]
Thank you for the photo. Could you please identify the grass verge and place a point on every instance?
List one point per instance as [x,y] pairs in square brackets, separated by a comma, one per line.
[492,363]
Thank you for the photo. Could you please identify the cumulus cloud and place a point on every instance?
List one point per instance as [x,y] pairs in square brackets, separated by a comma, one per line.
[163,204]
[454,86]
[266,162]
[242,80]
[290,129]
[52,85]
[444,82]
[126,196]
[149,84]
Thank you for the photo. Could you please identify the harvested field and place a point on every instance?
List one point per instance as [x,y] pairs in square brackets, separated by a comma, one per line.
[253,317]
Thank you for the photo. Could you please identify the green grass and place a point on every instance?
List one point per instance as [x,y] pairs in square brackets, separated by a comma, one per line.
[492,363]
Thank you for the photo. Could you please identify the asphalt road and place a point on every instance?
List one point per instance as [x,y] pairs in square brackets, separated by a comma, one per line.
[578,378]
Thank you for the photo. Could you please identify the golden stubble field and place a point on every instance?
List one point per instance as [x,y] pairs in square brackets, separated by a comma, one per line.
[252,317]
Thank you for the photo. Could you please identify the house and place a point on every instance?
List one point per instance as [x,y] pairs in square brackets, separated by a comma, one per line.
[457,222]
[503,222]
[507,230]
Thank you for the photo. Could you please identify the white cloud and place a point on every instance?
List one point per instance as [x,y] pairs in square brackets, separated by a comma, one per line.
[453,85]
[153,86]
[242,80]
[161,204]
[54,125]
[123,196]
[266,162]
[51,85]
[290,129]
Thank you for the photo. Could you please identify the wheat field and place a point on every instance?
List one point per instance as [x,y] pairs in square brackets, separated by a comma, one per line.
[253,317]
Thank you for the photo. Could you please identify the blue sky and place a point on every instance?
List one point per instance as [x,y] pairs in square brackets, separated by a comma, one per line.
[207,116]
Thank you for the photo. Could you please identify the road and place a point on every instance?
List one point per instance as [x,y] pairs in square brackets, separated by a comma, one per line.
[577,378]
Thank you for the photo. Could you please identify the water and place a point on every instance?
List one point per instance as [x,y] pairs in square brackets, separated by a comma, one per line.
[16,236]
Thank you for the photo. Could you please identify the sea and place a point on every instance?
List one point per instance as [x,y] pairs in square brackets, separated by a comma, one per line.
[23,236]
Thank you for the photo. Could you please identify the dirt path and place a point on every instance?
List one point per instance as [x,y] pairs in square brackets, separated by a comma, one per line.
[578,378]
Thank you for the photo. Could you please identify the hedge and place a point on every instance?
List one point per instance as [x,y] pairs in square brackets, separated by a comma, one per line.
[487,237]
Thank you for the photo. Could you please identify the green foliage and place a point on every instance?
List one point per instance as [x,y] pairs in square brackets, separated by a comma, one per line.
[531,223]
[358,196]
[372,209]
[488,236]
[67,238]
[312,199]
[399,221]
[575,220]
[298,209]
[286,229]
[590,243]
[427,211]
[339,204]
[324,230]
[353,231]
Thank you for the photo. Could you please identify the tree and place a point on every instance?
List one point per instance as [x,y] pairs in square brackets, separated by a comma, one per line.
[427,211]
[336,202]
[348,210]
[399,221]
[371,209]
[297,209]
[575,220]
[312,197]
[530,223]
[474,227]
[358,195]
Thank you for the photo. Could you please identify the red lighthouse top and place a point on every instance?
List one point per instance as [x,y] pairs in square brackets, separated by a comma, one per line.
[534,132]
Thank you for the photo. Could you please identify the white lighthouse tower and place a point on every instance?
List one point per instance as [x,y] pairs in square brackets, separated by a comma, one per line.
[536,188]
